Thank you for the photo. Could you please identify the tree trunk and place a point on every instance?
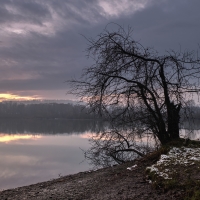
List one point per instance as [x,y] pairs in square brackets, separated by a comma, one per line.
[162,134]
[164,137]
[173,121]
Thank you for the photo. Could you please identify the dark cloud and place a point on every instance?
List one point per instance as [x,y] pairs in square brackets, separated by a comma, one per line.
[23,11]
[167,25]
[42,44]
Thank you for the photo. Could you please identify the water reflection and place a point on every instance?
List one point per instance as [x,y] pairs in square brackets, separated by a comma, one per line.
[33,151]
[191,129]
[8,138]
[48,126]
[191,134]
[29,154]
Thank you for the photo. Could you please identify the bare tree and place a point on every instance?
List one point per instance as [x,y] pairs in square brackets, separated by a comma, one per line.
[137,88]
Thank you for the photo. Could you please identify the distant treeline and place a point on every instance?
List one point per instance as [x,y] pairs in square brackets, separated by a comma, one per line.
[45,110]
[21,110]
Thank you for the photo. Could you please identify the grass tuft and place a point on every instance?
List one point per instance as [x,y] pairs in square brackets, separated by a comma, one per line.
[179,172]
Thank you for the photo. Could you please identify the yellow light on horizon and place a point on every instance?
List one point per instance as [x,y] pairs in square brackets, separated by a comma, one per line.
[9,138]
[7,96]
[87,135]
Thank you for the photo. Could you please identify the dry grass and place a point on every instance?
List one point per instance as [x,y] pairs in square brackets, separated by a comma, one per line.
[181,171]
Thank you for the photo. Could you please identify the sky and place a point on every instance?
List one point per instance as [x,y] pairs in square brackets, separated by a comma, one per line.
[42,43]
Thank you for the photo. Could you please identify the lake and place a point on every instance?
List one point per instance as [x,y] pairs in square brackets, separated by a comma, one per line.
[32,151]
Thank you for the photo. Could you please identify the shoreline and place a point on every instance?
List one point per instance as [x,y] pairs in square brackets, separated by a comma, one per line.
[115,183]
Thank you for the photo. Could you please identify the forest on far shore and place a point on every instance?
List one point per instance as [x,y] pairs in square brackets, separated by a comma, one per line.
[44,110]
[22,110]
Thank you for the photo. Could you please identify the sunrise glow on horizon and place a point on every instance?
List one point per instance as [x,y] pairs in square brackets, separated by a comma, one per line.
[7,96]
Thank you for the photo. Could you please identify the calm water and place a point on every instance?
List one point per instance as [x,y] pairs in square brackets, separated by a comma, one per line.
[35,151]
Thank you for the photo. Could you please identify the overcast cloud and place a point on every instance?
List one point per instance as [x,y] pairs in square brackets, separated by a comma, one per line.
[41,44]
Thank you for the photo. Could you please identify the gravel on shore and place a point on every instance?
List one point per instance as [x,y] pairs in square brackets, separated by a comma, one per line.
[112,183]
